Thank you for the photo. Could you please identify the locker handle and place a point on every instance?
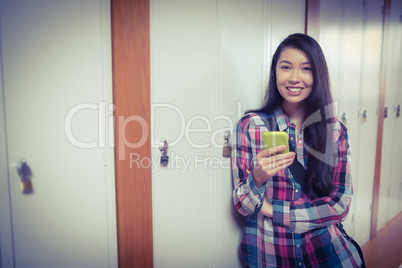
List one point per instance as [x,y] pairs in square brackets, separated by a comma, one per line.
[365,115]
[227,148]
[25,173]
[344,119]
[163,147]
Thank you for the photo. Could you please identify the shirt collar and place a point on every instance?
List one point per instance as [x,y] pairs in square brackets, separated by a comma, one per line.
[282,119]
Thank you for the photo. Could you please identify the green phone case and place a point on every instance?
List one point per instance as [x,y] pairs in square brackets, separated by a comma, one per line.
[275,138]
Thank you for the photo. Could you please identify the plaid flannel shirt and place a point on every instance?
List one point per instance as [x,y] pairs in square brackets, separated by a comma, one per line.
[302,232]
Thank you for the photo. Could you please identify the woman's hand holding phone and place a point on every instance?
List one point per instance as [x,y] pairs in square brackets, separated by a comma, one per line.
[269,162]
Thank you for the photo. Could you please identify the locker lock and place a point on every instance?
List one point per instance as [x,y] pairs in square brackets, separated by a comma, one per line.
[344,119]
[364,115]
[25,173]
[226,146]
[163,147]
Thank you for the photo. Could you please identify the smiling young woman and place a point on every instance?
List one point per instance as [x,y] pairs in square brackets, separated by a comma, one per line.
[292,223]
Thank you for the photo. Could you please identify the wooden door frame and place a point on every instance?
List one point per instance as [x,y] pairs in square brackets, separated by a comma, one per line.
[312,20]
[380,123]
[131,97]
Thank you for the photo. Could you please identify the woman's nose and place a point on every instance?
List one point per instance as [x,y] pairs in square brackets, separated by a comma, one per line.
[295,76]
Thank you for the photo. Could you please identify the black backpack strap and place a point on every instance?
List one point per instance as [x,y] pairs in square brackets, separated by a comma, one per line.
[297,170]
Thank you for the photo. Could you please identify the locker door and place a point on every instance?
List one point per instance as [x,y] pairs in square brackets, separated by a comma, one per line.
[249,35]
[56,85]
[370,79]
[351,34]
[182,96]
[391,155]
[240,75]
[341,35]
[208,65]
[395,196]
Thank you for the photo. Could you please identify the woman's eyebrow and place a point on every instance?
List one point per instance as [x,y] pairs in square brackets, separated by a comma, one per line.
[288,62]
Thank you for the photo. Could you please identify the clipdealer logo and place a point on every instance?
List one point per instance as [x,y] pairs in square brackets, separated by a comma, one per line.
[105,134]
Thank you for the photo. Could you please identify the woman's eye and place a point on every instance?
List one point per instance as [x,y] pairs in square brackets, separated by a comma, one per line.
[285,67]
[307,68]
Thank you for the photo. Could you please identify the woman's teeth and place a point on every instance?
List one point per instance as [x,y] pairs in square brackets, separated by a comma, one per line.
[295,89]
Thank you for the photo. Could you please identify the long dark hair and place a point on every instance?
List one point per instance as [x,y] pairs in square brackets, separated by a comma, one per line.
[317,107]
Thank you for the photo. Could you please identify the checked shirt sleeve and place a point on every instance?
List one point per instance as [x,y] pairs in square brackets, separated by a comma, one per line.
[303,214]
[247,198]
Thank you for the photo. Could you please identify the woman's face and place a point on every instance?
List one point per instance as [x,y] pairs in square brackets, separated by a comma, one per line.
[294,76]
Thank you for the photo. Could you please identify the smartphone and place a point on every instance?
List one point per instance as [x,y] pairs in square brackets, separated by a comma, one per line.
[276,138]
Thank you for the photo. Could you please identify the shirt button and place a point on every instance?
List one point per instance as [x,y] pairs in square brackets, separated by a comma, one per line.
[298,245]
[297,190]
[300,141]
[300,264]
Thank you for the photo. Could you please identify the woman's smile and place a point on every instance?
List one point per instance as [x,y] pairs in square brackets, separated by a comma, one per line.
[295,90]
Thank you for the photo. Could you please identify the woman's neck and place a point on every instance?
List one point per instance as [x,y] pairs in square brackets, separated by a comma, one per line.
[295,111]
